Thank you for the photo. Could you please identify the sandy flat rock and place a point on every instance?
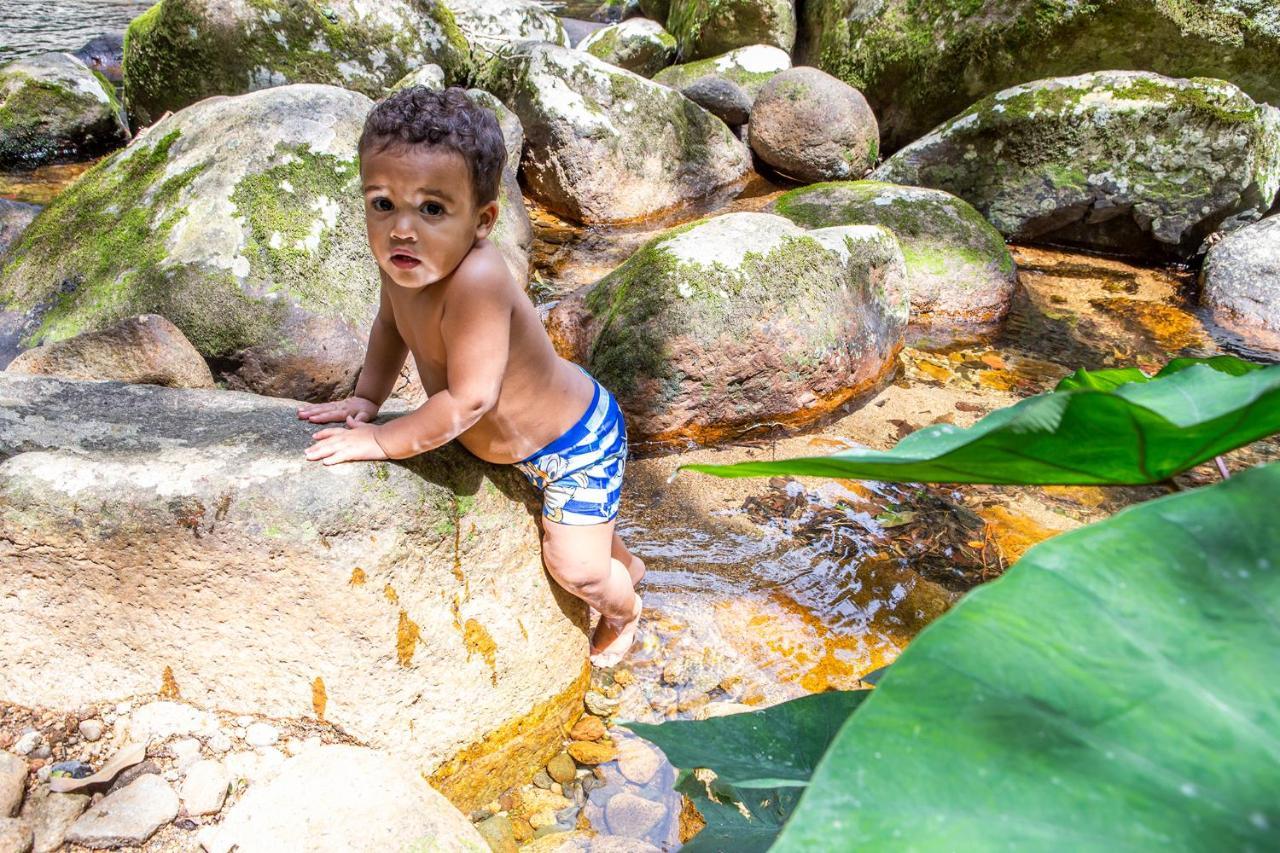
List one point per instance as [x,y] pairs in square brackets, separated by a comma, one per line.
[631,815]
[13,779]
[313,805]
[129,816]
[50,816]
[205,788]
[15,835]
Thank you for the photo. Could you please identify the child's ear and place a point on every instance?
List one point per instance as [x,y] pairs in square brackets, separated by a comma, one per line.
[486,218]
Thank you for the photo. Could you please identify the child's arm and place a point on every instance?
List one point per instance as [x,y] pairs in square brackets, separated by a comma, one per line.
[383,359]
[475,327]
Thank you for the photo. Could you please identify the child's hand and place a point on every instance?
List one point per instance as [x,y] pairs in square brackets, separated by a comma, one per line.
[354,443]
[339,410]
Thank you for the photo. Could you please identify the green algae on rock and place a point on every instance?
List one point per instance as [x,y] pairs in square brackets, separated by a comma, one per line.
[709,27]
[181,51]
[53,107]
[240,220]
[958,267]
[1116,160]
[606,145]
[920,61]
[637,44]
[726,325]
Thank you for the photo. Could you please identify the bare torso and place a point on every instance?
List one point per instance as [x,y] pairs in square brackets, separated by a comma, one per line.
[542,395]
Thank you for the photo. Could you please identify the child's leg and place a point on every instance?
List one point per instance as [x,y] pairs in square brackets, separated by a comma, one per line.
[635,566]
[579,558]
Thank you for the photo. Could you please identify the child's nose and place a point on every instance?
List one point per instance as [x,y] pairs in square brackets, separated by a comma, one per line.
[402,229]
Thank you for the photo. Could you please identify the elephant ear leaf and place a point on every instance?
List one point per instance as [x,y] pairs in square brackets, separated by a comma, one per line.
[1103,428]
[1114,690]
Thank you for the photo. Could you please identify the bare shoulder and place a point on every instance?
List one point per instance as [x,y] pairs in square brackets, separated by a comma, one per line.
[483,272]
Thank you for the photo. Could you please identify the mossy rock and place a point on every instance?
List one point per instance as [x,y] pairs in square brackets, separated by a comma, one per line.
[1121,161]
[637,44]
[1241,280]
[921,61]
[740,323]
[710,27]
[606,145]
[491,24]
[959,270]
[181,51]
[748,67]
[54,107]
[240,220]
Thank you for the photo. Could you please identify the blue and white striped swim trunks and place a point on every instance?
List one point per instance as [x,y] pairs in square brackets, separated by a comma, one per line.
[580,473]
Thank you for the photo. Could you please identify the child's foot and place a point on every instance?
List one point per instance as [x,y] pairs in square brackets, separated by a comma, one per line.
[613,638]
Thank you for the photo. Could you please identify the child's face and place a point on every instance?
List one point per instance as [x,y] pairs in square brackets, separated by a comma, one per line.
[420,212]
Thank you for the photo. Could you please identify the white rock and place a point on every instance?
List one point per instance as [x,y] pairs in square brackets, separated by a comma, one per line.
[186,752]
[91,730]
[219,741]
[344,798]
[163,720]
[15,835]
[13,779]
[27,742]
[205,787]
[244,721]
[129,816]
[261,734]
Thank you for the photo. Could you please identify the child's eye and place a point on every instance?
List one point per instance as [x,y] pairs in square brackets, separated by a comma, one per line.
[382,204]
[432,209]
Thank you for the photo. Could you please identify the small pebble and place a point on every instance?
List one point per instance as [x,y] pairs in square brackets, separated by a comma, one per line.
[588,728]
[27,742]
[124,708]
[262,734]
[42,751]
[543,780]
[586,752]
[561,768]
[90,730]
[219,742]
[244,721]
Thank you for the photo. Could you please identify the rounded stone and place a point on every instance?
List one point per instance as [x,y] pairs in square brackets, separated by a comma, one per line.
[814,127]
[709,27]
[205,788]
[129,815]
[588,752]
[632,816]
[1241,282]
[52,107]
[588,728]
[91,730]
[562,769]
[637,44]
[261,734]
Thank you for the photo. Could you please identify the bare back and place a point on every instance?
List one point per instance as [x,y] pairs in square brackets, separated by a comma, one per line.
[541,395]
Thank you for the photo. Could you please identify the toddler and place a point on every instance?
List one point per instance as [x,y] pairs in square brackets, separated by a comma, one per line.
[430,165]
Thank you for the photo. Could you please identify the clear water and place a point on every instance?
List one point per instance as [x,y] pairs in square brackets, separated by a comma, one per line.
[30,27]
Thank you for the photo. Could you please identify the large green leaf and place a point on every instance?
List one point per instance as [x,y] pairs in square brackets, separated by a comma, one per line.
[743,820]
[1115,690]
[1134,433]
[770,748]
[1106,380]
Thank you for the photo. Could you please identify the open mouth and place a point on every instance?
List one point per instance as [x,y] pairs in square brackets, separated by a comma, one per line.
[404,262]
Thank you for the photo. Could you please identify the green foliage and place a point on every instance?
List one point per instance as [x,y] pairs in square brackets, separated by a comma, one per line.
[1111,691]
[1107,432]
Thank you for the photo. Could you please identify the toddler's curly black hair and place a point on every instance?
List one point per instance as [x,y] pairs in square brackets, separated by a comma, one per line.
[448,119]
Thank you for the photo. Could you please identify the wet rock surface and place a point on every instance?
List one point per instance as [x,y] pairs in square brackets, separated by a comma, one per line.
[606,145]
[742,320]
[334,623]
[14,219]
[1122,161]
[52,107]
[958,268]
[145,349]
[1241,282]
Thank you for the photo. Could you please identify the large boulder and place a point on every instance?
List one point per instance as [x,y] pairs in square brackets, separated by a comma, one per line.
[710,27]
[240,220]
[813,127]
[155,536]
[727,85]
[606,145]
[718,328]
[490,24]
[344,798]
[147,349]
[919,63]
[958,268]
[53,107]
[637,44]
[1117,160]
[181,51]
[1241,282]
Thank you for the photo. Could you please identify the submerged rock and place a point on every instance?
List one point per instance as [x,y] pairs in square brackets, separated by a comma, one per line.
[727,85]
[809,125]
[606,145]
[404,603]
[958,267]
[147,349]
[52,107]
[240,220]
[709,27]
[344,798]
[718,328]
[918,64]
[1241,280]
[637,44]
[1118,160]
[181,51]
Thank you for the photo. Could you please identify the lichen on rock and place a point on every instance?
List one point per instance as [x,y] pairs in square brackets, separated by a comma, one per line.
[958,268]
[238,219]
[53,107]
[636,44]
[1117,160]
[740,322]
[180,51]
